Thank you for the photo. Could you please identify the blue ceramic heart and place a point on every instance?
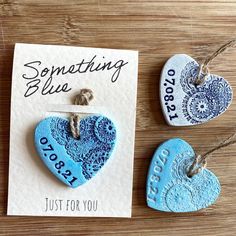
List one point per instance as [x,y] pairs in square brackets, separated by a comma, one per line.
[185,103]
[168,186]
[74,161]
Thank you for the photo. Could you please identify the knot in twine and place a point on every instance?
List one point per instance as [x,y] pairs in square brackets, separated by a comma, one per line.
[200,161]
[204,71]
[83,98]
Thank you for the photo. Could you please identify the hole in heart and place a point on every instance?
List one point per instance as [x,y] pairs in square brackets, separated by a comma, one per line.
[189,176]
[187,173]
[78,138]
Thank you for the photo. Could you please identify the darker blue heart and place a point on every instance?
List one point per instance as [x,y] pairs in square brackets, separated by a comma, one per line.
[74,161]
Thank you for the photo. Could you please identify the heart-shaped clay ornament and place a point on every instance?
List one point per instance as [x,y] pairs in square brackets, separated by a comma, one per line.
[168,186]
[75,161]
[185,103]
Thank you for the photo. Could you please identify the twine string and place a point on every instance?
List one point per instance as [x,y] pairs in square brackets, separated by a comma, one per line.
[83,98]
[204,70]
[200,161]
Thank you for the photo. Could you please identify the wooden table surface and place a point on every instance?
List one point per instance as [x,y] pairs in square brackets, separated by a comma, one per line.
[157,29]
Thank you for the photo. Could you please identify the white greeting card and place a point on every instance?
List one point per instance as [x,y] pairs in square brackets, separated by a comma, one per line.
[45,80]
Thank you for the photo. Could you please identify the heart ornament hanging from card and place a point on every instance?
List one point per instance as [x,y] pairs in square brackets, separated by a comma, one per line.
[185,103]
[75,161]
[168,186]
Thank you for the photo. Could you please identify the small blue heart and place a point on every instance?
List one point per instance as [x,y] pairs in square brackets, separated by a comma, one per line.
[168,186]
[74,161]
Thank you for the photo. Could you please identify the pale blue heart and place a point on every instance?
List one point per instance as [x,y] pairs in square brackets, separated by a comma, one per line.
[75,161]
[168,186]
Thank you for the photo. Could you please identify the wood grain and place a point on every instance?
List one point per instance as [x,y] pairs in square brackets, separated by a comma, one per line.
[158,29]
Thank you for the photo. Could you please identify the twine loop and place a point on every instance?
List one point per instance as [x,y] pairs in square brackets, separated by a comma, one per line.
[200,161]
[204,71]
[82,98]
[197,166]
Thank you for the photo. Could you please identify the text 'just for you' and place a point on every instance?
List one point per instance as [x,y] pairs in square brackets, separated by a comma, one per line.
[42,79]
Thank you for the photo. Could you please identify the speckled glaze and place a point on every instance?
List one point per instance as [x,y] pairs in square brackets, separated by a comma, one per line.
[168,186]
[75,161]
